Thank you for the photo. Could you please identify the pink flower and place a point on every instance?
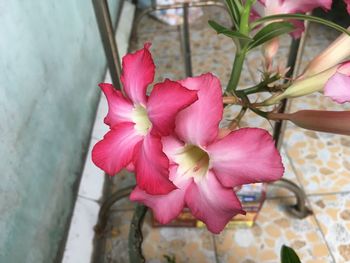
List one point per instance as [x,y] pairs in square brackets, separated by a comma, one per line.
[137,123]
[274,7]
[204,167]
[338,86]
[347,2]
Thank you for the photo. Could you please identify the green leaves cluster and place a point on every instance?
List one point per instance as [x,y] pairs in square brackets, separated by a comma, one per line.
[240,33]
[248,35]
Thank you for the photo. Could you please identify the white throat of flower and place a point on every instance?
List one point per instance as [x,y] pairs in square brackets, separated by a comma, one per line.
[141,119]
[193,162]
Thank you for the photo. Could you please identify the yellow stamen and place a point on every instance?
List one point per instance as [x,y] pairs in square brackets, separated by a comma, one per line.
[141,119]
[193,162]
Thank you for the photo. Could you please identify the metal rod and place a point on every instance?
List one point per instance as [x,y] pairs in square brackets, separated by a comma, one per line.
[186,46]
[108,40]
[106,206]
[300,209]
[293,53]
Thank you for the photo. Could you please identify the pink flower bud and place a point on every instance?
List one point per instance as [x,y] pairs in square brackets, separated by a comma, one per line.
[334,81]
[335,53]
[324,121]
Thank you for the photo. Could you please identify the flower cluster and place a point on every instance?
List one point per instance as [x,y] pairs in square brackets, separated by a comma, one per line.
[172,141]
[171,138]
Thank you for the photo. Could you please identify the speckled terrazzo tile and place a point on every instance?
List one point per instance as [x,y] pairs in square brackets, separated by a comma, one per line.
[316,101]
[186,244]
[273,228]
[149,25]
[163,45]
[219,63]
[319,35]
[172,67]
[321,160]
[206,40]
[218,14]
[333,215]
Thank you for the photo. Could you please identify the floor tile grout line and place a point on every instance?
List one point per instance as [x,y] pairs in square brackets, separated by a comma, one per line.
[295,171]
[89,199]
[324,238]
[309,204]
[215,249]
[329,193]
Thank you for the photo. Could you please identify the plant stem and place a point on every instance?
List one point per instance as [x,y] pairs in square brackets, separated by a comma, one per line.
[261,86]
[235,122]
[236,69]
[231,100]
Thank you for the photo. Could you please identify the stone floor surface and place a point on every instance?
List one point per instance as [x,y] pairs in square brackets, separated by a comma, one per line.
[318,162]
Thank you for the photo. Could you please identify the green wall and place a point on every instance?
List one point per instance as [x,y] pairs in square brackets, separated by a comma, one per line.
[51,62]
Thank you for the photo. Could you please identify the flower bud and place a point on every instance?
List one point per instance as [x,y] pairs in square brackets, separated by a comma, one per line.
[324,121]
[270,49]
[335,53]
[335,80]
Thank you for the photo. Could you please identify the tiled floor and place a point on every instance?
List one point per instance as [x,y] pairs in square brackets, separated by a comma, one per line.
[318,162]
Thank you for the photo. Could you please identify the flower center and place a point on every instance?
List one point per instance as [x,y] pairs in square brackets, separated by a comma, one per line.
[193,161]
[141,120]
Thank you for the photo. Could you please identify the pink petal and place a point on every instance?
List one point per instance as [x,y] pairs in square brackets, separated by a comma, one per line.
[274,7]
[299,28]
[119,107]
[212,203]
[245,156]
[171,146]
[338,88]
[165,101]
[138,73]
[165,207]
[295,6]
[115,151]
[151,165]
[347,2]
[198,124]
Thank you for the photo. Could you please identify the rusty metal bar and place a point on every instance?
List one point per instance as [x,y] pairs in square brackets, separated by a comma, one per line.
[186,47]
[105,26]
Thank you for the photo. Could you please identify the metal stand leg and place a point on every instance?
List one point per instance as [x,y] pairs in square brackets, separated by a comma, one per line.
[186,42]
[300,209]
[106,207]
[104,22]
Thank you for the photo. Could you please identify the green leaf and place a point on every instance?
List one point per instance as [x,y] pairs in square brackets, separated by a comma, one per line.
[271,31]
[227,32]
[288,255]
[234,8]
[300,17]
[170,259]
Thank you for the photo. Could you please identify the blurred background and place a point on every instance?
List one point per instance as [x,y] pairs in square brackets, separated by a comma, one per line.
[52,59]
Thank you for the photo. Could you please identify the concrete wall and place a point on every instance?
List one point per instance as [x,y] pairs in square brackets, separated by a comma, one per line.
[51,62]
